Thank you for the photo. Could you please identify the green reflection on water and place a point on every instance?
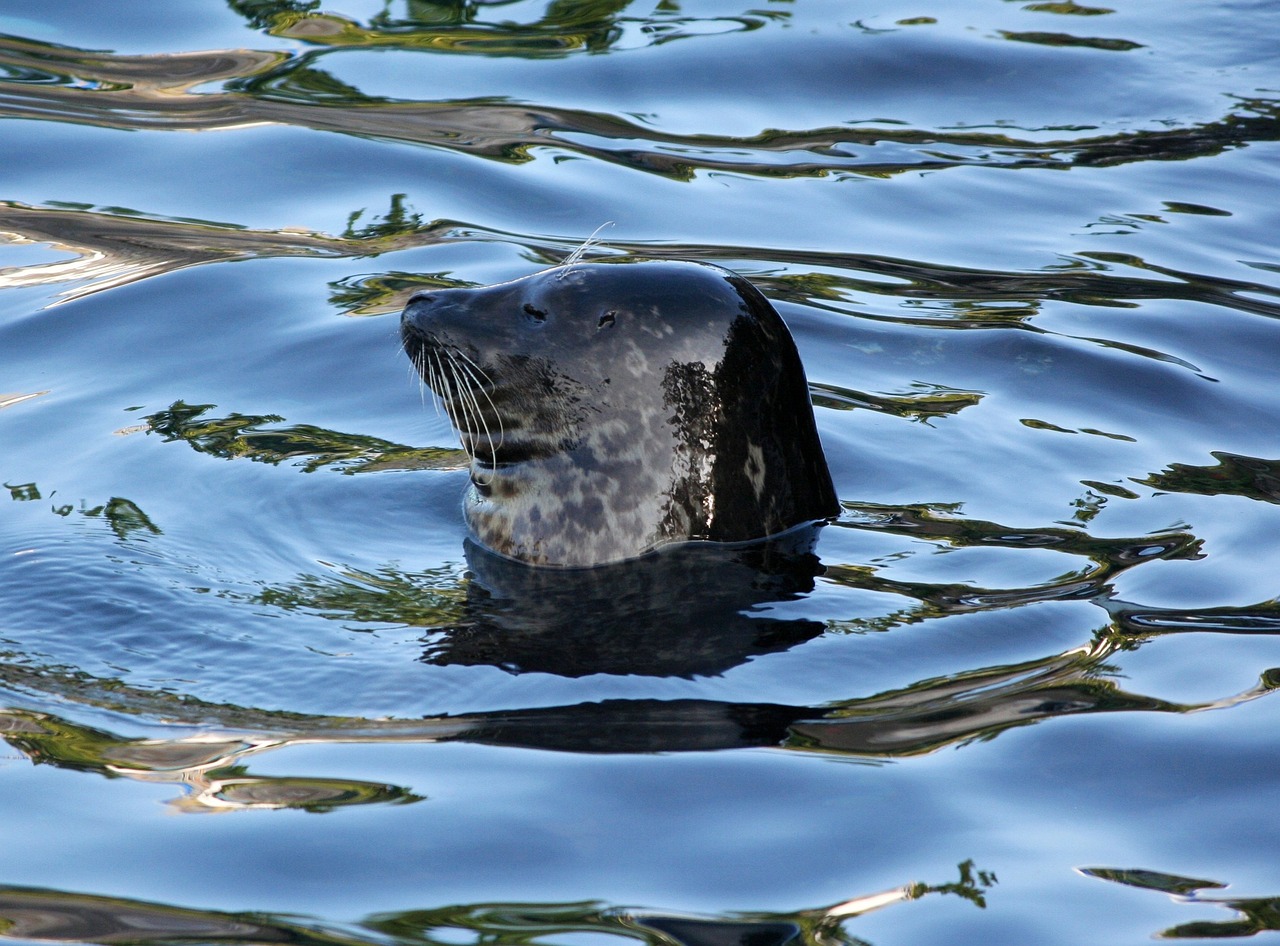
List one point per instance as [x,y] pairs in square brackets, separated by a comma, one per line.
[385,596]
[23,492]
[201,765]
[1254,914]
[122,515]
[564,26]
[257,437]
[1068,7]
[1233,475]
[1067,39]
[63,916]
[932,400]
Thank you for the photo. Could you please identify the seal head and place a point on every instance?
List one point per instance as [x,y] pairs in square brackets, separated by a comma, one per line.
[612,408]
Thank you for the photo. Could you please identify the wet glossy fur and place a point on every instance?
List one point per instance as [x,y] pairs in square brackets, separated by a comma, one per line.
[613,408]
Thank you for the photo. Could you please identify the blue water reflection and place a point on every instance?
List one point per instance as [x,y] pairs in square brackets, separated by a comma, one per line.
[1022,693]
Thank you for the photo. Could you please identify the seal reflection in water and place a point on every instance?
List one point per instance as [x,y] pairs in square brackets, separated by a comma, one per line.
[613,408]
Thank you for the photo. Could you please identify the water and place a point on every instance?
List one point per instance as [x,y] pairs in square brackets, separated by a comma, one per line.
[1028,254]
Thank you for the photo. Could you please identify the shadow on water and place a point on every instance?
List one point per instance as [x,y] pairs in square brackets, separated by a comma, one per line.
[60,916]
[626,620]
[688,611]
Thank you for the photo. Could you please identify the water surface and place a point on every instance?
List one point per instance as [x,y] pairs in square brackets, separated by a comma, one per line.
[1028,254]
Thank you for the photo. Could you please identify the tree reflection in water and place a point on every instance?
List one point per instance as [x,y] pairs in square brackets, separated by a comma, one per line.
[59,916]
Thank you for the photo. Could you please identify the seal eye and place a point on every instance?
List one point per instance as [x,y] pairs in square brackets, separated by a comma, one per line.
[536,314]
[607,320]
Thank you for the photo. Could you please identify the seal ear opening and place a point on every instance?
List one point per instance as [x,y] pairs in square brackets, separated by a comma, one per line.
[607,320]
[535,314]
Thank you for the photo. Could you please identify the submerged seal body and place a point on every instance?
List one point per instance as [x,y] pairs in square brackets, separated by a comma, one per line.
[613,408]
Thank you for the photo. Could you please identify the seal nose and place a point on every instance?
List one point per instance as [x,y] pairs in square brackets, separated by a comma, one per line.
[423,306]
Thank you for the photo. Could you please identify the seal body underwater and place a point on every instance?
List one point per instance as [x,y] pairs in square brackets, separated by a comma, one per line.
[612,408]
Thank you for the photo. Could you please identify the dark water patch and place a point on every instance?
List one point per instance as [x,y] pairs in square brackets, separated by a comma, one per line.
[1151,880]
[936,525]
[1139,620]
[1181,207]
[56,916]
[688,611]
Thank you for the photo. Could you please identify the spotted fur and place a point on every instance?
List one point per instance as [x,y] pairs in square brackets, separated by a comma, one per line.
[613,408]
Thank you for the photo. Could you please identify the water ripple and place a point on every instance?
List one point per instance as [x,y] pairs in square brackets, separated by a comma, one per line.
[156,92]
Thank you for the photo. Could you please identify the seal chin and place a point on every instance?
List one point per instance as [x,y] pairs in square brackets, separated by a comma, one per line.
[614,408]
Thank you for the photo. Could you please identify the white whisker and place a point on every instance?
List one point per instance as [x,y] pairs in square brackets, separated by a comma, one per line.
[456,382]
[419,362]
[468,405]
[576,256]
[437,375]
[481,383]
[427,372]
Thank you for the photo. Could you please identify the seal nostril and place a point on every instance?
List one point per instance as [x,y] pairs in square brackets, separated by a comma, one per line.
[534,313]
[607,320]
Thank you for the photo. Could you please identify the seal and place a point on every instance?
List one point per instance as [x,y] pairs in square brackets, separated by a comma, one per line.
[613,408]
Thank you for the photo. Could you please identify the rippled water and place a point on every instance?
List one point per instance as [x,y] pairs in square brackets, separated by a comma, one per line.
[1028,252]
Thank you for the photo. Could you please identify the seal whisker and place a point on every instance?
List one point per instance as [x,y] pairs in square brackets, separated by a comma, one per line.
[476,413]
[423,365]
[431,371]
[467,408]
[426,370]
[482,382]
[576,256]
[450,408]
